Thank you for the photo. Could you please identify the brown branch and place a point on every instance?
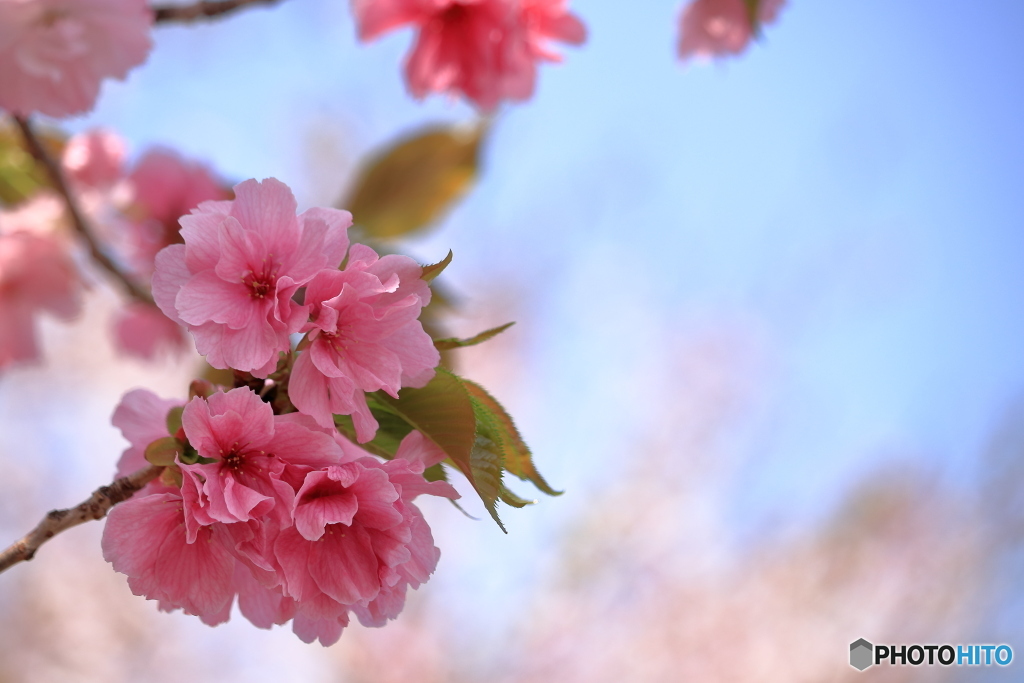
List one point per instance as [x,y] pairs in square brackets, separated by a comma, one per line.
[206,9]
[37,150]
[96,507]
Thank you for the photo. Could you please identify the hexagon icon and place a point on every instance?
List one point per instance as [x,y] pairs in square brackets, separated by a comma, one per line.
[860,654]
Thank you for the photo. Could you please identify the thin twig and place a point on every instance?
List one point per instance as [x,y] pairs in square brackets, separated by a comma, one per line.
[39,152]
[207,9]
[96,507]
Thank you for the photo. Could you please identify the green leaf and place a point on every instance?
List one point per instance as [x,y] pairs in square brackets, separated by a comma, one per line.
[190,456]
[512,499]
[435,473]
[163,452]
[518,458]
[453,343]
[171,476]
[465,422]
[174,420]
[487,461]
[413,183]
[434,269]
[392,428]
[443,412]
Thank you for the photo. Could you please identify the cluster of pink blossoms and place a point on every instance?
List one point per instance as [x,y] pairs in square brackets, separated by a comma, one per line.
[721,28]
[136,210]
[485,50]
[235,284]
[294,520]
[55,53]
[280,510]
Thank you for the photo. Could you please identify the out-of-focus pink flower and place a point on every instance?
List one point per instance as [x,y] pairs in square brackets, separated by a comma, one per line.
[36,274]
[143,331]
[719,28]
[41,215]
[231,282]
[165,187]
[365,336]
[551,20]
[54,53]
[94,159]
[485,50]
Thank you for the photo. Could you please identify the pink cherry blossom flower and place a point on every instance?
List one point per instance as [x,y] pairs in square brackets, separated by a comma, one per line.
[249,449]
[143,331]
[551,20]
[165,187]
[145,538]
[42,215]
[364,336]
[94,159]
[36,273]
[719,28]
[485,50]
[54,53]
[232,281]
[275,512]
[359,542]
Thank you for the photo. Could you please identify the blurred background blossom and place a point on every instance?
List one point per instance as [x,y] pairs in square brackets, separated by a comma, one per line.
[768,340]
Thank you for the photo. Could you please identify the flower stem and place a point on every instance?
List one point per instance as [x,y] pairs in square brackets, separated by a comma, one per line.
[37,150]
[96,507]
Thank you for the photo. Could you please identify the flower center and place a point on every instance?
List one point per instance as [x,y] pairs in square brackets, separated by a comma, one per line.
[261,282]
[454,13]
[233,460]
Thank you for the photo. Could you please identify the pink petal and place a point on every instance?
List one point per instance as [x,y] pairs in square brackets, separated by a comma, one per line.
[335,242]
[268,209]
[170,276]
[343,564]
[200,230]
[145,538]
[240,250]
[299,445]
[262,606]
[207,297]
[309,392]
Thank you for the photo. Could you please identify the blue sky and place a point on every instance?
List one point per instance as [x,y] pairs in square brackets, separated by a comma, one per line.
[848,190]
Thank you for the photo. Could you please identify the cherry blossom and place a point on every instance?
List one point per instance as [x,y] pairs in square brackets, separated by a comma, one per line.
[719,28]
[248,450]
[94,159]
[359,542]
[145,538]
[232,281]
[485,50]
[55,53]
[364,336]
[36,274]
[551,20]
[165,187]
[143,331]
[273,510]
